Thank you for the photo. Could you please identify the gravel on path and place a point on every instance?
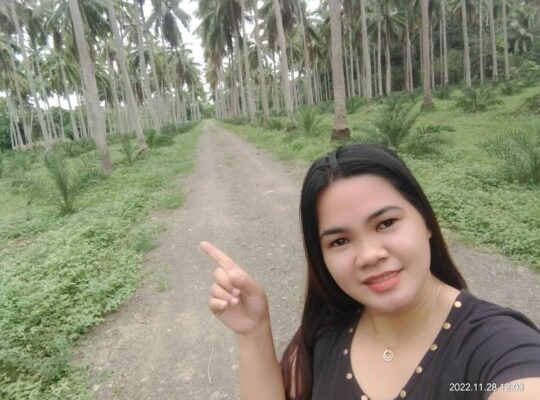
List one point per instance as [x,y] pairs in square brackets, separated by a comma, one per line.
[163,343]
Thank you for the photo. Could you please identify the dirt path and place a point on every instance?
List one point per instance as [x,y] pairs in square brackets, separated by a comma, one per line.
[164,344]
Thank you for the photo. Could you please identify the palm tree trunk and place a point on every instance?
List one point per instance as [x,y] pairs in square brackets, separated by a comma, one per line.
[431,55]
[307,62]
[284,66]
[481,41]
[351,61]
[147,93]
[427,101]
[91,93]
[466,55]
[28,73]
[340,130]
[495,73]
[365,50]
[379,50]
[445,44]
[388,64]
[132,104]
[505,42]
[262,80]
[409,56]
[250,100]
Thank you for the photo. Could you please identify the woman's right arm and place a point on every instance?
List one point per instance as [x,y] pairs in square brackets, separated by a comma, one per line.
[240,303]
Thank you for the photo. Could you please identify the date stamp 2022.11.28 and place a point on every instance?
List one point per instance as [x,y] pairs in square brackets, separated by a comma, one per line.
[486,387]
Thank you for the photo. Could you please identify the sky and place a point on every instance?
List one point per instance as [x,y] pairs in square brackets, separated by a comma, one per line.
[192,40]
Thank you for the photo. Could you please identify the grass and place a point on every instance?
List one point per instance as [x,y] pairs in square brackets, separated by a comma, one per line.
[59,275]
[462,181]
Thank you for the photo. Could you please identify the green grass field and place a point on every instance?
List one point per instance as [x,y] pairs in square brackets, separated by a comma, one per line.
[60,274]
[464,182]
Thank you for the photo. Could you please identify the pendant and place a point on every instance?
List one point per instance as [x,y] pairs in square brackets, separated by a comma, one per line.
[388,355]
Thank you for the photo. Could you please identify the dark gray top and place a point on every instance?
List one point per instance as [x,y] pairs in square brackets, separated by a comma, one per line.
[480,349]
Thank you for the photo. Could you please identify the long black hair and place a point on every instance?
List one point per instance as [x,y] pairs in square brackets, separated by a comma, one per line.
[325,303]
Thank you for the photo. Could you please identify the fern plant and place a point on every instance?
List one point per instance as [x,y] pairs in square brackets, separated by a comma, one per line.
[309,121]
[155,139]
[20,161]
[392,124]
[129,151]
[519,153]
[63,184]
[477,99]
[427,139]
[275,123]
[74,148]
[354,104]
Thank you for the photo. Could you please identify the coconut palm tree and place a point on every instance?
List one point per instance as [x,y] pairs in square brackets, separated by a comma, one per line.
[96,115]
[426,68]
[128,91]
[495,74]
[284,63]
[505,41]
[340,130]
[262,79]
[14,16]
[365,52]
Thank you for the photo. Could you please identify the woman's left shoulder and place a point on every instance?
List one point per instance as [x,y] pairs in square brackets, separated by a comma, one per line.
[482,316]
[496,344]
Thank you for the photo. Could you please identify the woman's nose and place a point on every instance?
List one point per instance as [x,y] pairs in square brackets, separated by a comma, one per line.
[369,252]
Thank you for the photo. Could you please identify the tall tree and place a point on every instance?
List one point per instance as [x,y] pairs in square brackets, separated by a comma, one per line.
[28,71]
[426,68]
[95,113]
[466,53]
[250,99]
[505,41]
[128,91]
[262,78]
[493,42]
[365,51]
[287,94]
[340,130]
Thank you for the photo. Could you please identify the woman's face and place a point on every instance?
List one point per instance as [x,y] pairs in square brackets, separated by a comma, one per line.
[374,243]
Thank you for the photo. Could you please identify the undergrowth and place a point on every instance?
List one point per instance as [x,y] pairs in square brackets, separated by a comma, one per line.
[60,274]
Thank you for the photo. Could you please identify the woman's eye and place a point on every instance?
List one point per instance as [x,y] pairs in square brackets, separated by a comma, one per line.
[338,242]
[387,223]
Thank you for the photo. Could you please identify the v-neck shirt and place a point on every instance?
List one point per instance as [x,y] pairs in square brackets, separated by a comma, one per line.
[478,350]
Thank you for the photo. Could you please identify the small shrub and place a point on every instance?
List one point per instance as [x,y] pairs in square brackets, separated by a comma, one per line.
[72,148]
[129,151]
[519,152]
[528,73]
[392,124]
[326,107]
[276,123]
[308,121]
[531,105]
[509,88]
[155,139]
[20,161]
[354,104]
[64,184]
[443,93]
[238,120]
[477,99]
[427,139]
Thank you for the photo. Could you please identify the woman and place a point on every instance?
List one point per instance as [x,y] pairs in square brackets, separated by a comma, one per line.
[386,314]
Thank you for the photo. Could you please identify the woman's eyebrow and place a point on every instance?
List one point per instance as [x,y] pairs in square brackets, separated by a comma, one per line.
[382,211]
[333,231]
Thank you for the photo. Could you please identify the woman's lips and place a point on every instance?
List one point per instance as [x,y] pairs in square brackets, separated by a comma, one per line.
[383,282]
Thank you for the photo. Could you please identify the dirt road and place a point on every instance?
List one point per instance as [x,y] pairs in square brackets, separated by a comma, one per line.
[164,343]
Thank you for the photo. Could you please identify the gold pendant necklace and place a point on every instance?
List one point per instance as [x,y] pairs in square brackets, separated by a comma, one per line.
[388,353]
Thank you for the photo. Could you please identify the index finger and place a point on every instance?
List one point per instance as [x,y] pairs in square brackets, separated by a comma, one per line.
[222,259]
